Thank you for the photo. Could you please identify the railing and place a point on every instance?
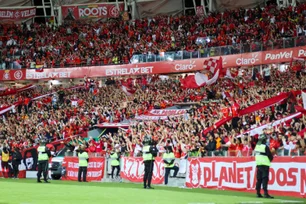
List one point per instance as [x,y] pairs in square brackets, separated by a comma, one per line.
[254,46]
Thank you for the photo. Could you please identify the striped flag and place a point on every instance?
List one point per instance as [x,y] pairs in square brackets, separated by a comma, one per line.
[39,68]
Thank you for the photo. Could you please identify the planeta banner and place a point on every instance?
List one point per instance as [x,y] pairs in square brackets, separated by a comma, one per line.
[78,12]
[287,175]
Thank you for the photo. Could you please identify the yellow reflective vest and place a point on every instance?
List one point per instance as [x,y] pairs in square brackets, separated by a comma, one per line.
[146,155]
[261,158]
[83,159]
[42,154]
[168,157]
[114,159]
[5,157]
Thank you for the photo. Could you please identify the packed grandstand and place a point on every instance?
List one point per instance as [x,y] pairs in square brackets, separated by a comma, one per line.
[219,111]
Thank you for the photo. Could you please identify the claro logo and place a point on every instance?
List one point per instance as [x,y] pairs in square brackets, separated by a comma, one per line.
[182,67]
[247,61]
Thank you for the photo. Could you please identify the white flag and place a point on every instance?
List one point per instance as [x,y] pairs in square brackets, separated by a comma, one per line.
[304,99]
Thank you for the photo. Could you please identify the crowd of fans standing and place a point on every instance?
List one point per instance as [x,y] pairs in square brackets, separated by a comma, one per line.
[73,112]
[116,41]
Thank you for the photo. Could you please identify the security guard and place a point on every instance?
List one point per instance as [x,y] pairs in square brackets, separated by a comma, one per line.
[149,152]
[263,160]
[5,157]
[115,163]
[169,159]
[43,159]
[83,163]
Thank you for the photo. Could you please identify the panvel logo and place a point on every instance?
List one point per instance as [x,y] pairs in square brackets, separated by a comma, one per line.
[85,12]
[279,56]
[302,53]
[183,67]
[247,61]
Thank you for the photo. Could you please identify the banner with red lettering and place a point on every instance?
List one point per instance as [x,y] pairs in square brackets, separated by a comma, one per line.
[95,169]
[87,11]
[8,92]
[157,114]
[133,170]
[177,66]
[12,75]
[15,14]
[287,174]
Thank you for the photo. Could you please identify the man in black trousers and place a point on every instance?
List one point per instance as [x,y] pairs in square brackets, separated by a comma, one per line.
[149,152]
[263,160]
[43,161]
[83,164]
[16,161]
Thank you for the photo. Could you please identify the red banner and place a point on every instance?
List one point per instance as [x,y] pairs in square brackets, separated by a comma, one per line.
[133,170]
[12,75]
[95,170]
[14,91]
[76,12]
[229,61]
[264,104]
[239,174]
[14,14]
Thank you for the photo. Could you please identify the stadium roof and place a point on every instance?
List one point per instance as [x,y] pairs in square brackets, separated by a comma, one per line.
[147,8]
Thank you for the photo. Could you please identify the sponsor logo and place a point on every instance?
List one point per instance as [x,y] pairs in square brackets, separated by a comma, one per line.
[114,11]
[47,75]
[18,75]
[92,11]
[224,60]
[247,61]
[183,67]
[194,172]
[279,56]
[133,170]
[6,75]
[17,14]
[302,53]
[129,71]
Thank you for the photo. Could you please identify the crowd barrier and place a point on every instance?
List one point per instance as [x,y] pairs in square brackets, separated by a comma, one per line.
[287,174]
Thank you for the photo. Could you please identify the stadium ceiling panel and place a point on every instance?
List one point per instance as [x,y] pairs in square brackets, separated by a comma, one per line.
[15,3]
[147,8]
[233,4]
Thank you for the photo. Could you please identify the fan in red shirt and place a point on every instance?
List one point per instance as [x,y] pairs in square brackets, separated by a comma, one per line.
[225,111]
[235,109]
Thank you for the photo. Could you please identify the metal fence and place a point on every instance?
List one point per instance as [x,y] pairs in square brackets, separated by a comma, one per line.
[254,46]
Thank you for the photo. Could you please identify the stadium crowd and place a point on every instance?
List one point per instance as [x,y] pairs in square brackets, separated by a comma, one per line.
[71,112]
[116,41]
